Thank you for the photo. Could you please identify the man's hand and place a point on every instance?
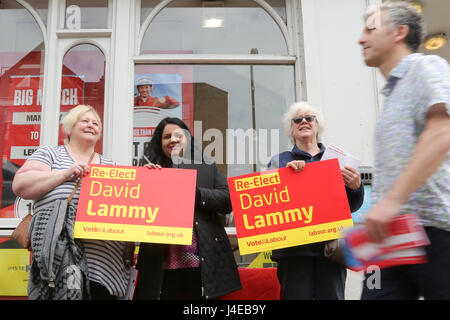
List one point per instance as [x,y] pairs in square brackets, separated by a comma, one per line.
[379,218]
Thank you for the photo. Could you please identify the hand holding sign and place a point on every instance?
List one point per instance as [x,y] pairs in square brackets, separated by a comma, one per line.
[297,165]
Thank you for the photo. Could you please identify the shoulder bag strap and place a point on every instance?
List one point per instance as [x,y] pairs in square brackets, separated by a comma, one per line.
[79,181]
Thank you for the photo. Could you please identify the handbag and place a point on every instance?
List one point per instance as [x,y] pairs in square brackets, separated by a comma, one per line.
[334,250]
[22,235]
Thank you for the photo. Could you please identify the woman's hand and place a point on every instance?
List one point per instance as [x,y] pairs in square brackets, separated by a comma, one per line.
[297,165]
[77,170]
[352,178]
[152,166]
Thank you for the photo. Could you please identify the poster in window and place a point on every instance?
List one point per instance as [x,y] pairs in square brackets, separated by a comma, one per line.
[156,97]
[22,126]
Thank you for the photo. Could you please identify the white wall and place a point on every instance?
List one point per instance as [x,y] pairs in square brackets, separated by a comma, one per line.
[337,80]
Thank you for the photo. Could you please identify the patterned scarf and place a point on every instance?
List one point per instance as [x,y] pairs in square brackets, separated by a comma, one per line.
[58,270]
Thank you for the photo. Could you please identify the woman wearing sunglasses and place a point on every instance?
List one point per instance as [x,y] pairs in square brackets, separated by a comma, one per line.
[303,271]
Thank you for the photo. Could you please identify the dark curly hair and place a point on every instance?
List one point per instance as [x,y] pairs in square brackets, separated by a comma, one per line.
[154,153]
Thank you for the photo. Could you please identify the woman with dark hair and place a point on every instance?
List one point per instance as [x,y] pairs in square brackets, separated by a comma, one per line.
[154,153]
[207,268]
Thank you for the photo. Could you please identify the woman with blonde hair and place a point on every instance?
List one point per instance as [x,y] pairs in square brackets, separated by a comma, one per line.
[303,271]
[96,269]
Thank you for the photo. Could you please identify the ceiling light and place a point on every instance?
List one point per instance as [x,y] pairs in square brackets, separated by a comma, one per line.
[212,23]
[435,41]
[416,4]
[213,13]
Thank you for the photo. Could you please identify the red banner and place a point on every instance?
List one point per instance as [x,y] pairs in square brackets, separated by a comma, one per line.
[137,204]
[281,208]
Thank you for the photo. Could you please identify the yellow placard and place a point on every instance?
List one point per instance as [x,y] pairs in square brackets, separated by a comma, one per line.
[120,232]
[263,260]
[14,270]
[288,238]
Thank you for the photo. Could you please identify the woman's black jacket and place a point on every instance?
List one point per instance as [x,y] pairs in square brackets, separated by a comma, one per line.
[218,267]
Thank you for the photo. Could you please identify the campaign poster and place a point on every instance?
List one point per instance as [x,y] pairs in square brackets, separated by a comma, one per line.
[14,269]
[21,129]
[282,208]
[137,204]
[156,97]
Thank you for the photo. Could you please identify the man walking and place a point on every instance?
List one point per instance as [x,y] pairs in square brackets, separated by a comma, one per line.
[412,143]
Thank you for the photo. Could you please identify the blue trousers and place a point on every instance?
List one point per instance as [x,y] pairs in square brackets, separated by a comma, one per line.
[429,280]
[308,278]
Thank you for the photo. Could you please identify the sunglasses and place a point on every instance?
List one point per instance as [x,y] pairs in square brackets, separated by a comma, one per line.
[299,119]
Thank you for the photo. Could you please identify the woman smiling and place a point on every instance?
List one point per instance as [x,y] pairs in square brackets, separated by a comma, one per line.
[303,271]
[51,174]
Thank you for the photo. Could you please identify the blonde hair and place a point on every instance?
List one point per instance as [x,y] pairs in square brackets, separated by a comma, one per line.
[72,117]
[294,110]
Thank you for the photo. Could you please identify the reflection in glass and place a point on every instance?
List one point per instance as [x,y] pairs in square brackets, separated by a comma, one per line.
[218,110]
[245,25]
[83,82]
[146,7]
[86,14]
[21,70]
[41,7]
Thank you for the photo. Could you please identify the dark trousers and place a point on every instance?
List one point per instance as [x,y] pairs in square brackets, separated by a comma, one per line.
[308,278]
[99,292]
[182,284]
[429,280]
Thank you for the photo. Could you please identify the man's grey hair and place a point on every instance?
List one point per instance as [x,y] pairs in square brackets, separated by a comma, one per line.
[292,113]
[402,13]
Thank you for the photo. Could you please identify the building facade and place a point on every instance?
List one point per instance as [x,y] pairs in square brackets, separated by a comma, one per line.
[231,67]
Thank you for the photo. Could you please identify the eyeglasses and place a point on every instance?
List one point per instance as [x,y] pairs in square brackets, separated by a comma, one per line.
[299,119]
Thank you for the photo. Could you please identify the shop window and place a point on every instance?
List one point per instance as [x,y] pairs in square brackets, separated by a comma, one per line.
[146,7]
[41,7]
[86,14]
[21,69]
[278,5]
[222,111]
[83,82]
[211,27]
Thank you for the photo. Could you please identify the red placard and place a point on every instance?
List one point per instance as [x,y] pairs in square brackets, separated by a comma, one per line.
[137,204]
[404,244]
[281,208]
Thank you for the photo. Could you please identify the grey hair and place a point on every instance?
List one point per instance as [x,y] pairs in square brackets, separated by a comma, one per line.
[402,13]
[292,113]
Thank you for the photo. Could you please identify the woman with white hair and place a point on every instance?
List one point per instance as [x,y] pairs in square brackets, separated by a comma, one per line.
[303,271]
[94,269]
